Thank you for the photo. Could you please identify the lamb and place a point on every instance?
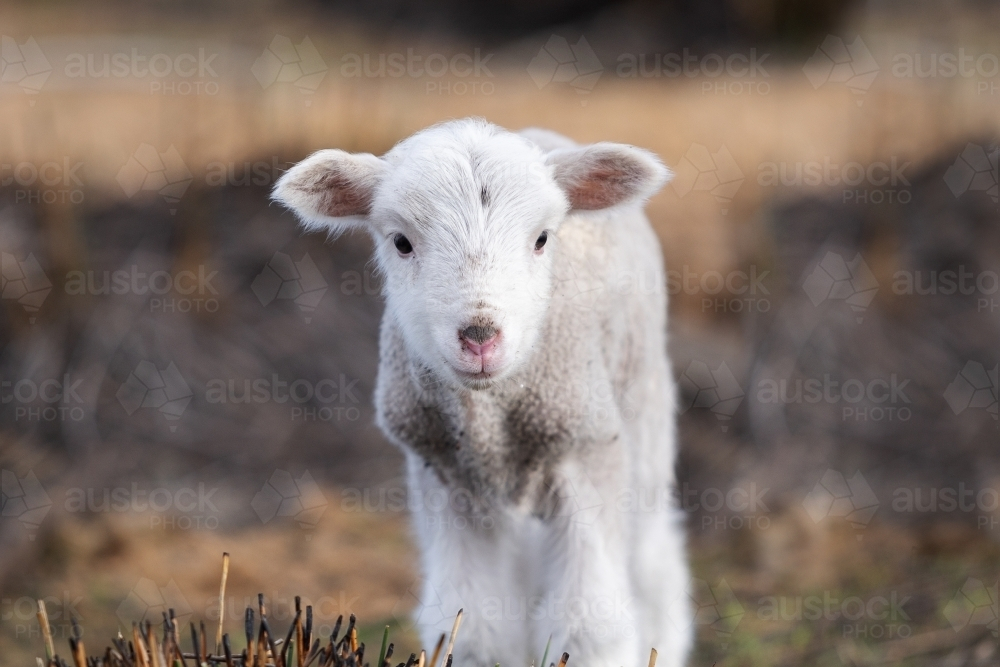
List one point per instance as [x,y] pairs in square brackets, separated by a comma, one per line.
[523,373]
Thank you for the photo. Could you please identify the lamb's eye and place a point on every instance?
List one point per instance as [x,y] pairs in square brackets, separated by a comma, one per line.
[402,244]
[540,243]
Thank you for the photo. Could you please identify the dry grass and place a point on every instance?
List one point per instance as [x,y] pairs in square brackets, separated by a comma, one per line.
[352,563]
[357,563]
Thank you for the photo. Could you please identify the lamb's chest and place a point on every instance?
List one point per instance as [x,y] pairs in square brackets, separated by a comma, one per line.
[502,442]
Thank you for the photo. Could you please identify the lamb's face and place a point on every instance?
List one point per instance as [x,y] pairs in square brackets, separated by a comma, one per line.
[464,217]
[466,240]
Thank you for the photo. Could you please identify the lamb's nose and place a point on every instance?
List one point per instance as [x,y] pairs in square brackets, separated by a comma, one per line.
[479,339]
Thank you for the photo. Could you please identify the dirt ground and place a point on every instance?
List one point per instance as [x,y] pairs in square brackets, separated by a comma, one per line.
[788,595]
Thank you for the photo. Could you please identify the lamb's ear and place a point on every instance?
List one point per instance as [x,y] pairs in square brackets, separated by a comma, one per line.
[606,174]
[331,189]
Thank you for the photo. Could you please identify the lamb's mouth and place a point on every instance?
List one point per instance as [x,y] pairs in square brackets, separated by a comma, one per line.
[478,375]
[477,380]
[484,373]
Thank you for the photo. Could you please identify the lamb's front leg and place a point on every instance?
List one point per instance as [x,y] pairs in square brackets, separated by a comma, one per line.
[470,562]
[590,608]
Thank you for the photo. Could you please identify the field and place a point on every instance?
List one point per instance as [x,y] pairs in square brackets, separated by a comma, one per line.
[778,584]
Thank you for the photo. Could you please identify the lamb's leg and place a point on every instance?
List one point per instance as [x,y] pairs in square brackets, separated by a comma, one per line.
[660,575]
[661,582]
[590,609]
[470,563]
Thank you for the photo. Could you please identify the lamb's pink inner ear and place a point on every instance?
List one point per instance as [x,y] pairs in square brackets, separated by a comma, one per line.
[605,182]
[339,195]
[331,184]
[604,175]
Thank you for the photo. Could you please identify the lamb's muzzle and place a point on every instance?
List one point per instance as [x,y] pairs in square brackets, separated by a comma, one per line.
[479,334]
[481,342]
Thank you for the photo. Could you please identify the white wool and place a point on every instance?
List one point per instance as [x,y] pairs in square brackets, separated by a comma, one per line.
[541,477]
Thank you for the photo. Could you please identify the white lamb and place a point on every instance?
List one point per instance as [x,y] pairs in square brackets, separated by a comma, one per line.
[523,373]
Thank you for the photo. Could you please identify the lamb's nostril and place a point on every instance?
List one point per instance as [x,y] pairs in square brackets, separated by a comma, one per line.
[478,334]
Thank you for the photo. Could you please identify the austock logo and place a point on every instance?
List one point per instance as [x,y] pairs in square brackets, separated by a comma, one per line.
[836,279]
[835,496]
[946,65]
[48,182]
[23,64]
[337,397]
[21,615]
[714,606]
[24,499]
[560,62]
[716,390]
[884,182]
[426,605]
[259,173]
[745,72]
[606,615]
[284,496]
[982,503]
[875,617]
[24,281]
[182,508]
[148,387]
[194,289]
[983,285]
[577,499]
[281,606]
[49,399]
[703,171]
[740,508]
[148,601]
[877,399]
[285,62]
[284,278]
[975,170]
[834,61]
[731,292]
[974,387]
[453,508]
[177,73]
[148,170]
[470,69]
[974,604]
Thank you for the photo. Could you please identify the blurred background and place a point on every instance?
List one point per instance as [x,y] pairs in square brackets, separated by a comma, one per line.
[183,373]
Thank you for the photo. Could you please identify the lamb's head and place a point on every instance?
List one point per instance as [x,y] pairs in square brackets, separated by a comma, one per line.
[465,217]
